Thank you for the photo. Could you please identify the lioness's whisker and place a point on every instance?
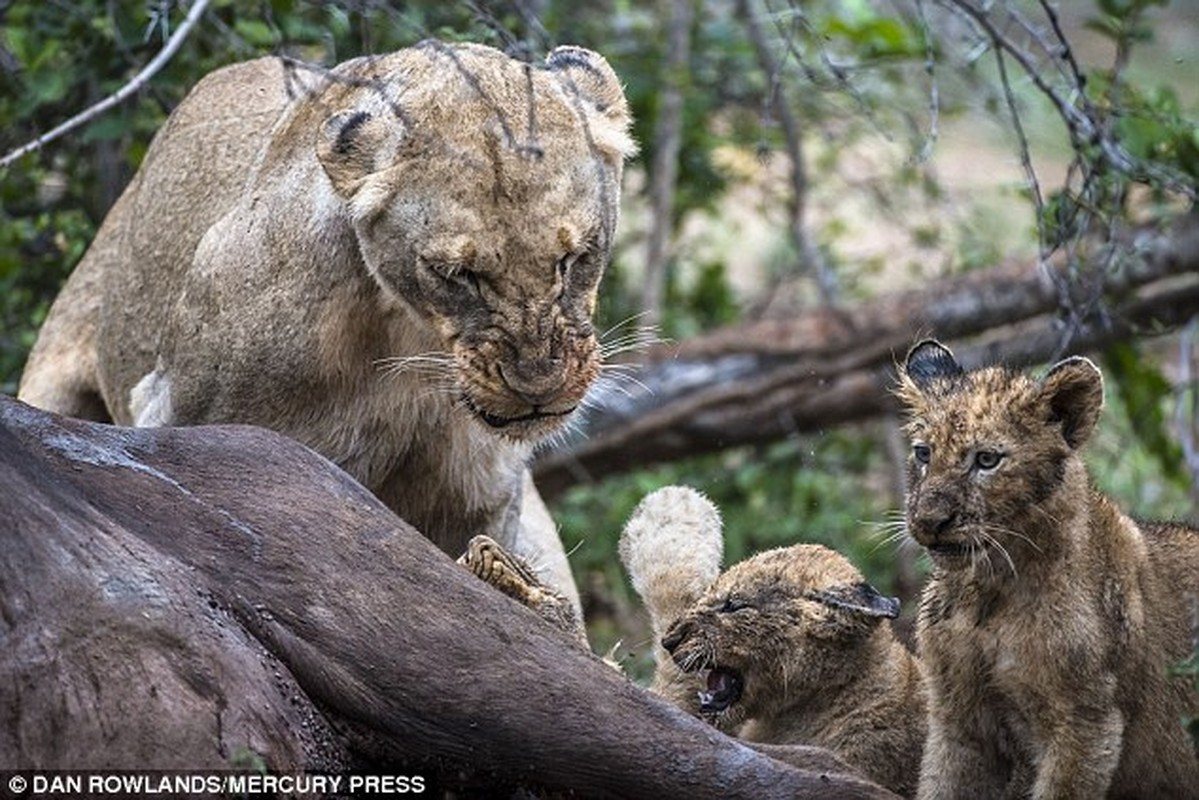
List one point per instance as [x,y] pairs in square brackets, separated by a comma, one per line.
[621,324]
[633,340]
[430,363]
[621,380]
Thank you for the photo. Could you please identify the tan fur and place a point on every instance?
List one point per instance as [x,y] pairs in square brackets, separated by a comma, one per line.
[1051,619]
[799,627]
[395,263]
[671,548]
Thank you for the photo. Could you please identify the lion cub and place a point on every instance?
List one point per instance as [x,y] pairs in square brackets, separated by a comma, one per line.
[1051,619]
[788,647]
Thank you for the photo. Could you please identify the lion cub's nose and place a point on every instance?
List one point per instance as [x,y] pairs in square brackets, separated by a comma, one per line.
[536,381]
[676,635]
[931,527]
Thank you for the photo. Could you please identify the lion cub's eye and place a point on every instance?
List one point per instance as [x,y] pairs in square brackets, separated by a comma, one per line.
[987,459]
[565,266]
[732,604]
[922,452]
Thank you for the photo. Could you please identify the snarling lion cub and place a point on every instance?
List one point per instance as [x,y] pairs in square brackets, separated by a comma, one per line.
[789,647]
[1051,620]
[394,261]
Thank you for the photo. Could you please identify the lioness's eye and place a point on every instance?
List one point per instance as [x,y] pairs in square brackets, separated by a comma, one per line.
[922,452]
[459,277]
[987,459]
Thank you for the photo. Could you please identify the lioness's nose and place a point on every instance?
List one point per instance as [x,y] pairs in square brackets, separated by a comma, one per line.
[537,381]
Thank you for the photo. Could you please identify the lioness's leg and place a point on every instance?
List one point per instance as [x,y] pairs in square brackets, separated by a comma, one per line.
[61,374]
[538,543]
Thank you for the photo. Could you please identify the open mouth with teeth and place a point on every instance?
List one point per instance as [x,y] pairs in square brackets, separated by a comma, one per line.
[500,422]
[723,688]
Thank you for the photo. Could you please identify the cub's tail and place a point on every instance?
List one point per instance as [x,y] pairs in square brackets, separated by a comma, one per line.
[672,547]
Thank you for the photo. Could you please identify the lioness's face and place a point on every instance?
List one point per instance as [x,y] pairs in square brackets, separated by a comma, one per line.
[507,280]
[484,194]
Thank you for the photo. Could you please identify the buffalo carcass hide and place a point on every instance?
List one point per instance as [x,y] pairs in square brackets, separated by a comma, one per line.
[207,597]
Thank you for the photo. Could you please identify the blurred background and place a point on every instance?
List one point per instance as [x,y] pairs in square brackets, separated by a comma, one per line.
[819,185]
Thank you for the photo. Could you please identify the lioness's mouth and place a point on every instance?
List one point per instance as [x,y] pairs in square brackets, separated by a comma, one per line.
[724,687]
[497,421]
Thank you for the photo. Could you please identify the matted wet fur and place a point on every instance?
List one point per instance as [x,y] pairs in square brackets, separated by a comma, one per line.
[789,647]
[1051,619]
[394,262]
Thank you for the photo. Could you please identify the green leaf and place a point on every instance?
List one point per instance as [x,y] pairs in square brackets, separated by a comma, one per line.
[107,128]
[1142,388]
[49,87]
[1109,27]
[256,32]
[1116,8]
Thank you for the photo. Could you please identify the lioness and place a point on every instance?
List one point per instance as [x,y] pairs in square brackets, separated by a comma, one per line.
[394,261]
[1051,619]
[789,646]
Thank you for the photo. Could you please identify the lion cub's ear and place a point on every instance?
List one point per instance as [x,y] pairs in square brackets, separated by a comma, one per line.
[858,598]
[349,145]
[929,360]
[590,78]
[1072,394]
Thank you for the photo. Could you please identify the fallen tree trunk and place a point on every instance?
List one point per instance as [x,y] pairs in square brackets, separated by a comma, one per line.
[763,381]
[204,598]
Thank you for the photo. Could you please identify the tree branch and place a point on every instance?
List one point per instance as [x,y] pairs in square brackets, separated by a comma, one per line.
[139,80]
[766,380]
[668,141]
[1083,121]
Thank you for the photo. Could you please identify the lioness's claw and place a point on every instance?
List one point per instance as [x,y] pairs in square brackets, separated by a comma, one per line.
[491,563]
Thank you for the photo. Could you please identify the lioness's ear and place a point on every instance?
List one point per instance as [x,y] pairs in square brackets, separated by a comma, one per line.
[929,360]
[348,148]
[1072,392]
[860,598]
[592,81]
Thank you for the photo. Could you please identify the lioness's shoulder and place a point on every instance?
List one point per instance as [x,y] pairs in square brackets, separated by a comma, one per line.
[268,82]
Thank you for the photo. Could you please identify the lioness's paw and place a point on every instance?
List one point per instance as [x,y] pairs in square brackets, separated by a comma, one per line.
[492,564]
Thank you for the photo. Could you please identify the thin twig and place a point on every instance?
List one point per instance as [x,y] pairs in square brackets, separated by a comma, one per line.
[1030,172]
[811,260]
[1082,124]
[840,74]
[138,81]
[1067,52]
[934,92]
[1185,398]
